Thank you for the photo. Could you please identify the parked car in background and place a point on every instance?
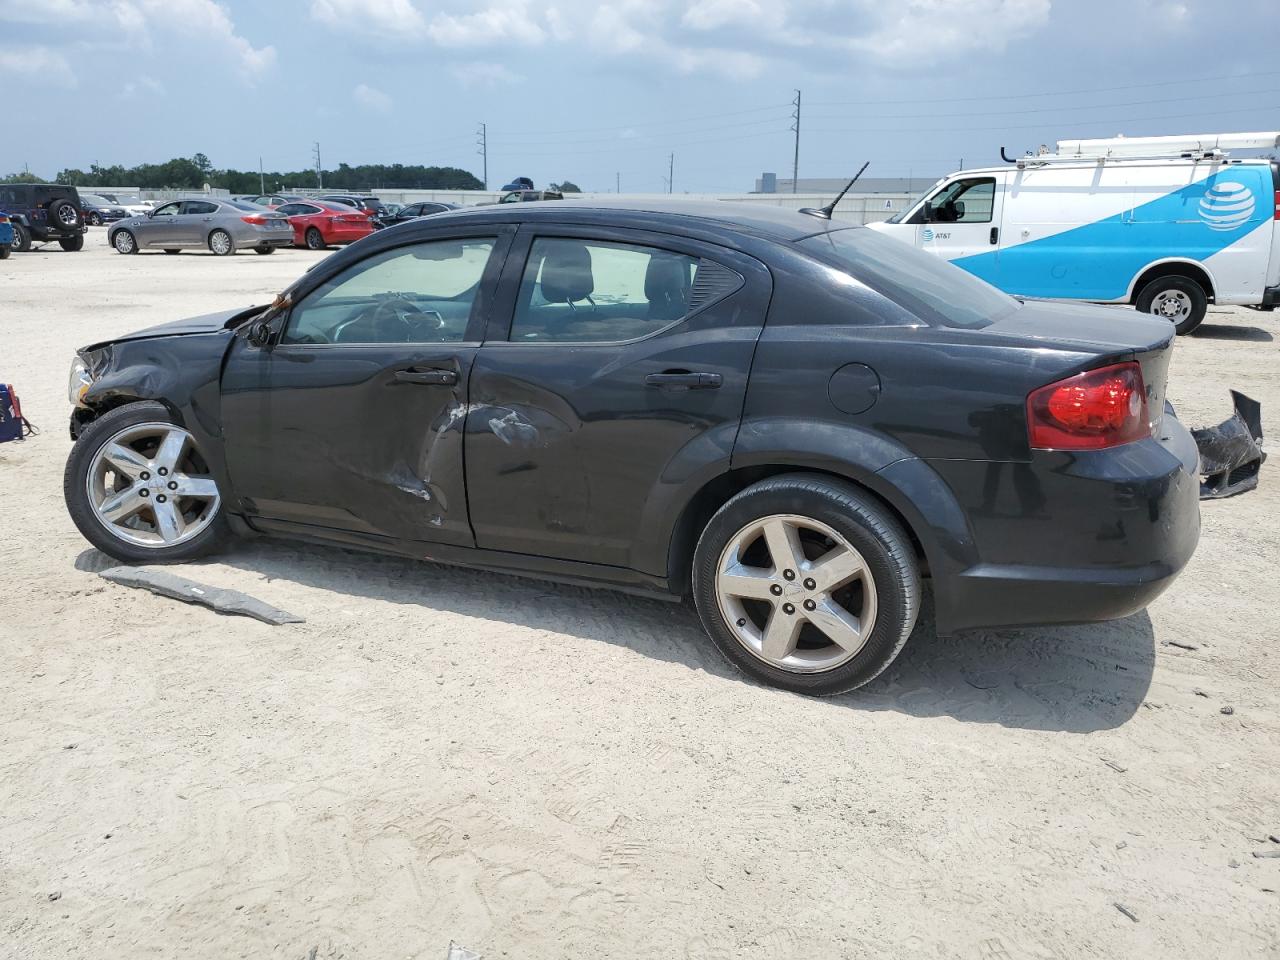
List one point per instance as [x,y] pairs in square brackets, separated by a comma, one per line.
[6,236]
[412,211]
[322,223]
[98,209]
[43,212]
[528,196]
[797,422]
[134,205]
[519,183]
[271,199]
[372,206]
[392,208]
[221,226]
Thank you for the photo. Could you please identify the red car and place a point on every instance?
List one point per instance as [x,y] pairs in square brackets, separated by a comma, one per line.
[321,223]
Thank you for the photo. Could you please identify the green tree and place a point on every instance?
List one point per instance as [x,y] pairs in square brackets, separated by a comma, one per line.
[22,178]
[566,186]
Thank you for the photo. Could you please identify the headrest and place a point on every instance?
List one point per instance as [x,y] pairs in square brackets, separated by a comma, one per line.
[664,279]
[566,272]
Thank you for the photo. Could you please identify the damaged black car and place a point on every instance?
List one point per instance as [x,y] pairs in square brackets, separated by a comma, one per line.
[800,425]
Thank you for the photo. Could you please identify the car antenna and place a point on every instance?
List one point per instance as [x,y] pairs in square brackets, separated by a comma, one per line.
[825,212]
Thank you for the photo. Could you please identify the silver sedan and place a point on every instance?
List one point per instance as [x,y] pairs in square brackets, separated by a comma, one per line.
[221,226]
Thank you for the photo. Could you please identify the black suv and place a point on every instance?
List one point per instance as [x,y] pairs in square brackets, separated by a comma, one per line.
[41,212]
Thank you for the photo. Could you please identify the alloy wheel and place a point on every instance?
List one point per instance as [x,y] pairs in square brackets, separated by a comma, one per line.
[124,241]
[795,593]
[149,486]
[220,242]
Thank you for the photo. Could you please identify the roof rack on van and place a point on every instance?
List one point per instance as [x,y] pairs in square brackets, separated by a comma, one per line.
[1208,146]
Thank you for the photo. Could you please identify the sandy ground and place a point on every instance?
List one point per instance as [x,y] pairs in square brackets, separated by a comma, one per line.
[542,771]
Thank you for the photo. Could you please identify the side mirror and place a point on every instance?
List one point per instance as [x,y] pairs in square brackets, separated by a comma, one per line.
[259,333]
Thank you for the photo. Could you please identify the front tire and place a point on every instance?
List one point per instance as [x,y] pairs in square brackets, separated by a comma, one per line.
[139,490]
[125,242]
[221,244]
[95,220]
[806,583]
[72,244]
[1180,300]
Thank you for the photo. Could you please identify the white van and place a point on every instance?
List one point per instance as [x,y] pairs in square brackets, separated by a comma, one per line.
[1169,224]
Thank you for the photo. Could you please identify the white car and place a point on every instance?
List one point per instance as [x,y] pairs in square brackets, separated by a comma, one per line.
[135,206]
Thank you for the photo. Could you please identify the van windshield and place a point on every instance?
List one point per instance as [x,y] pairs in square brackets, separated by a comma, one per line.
[937,292]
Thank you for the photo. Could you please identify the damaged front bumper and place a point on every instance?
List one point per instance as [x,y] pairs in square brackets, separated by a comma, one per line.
[1231,453]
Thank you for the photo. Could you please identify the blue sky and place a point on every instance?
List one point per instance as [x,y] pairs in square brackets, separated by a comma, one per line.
[591,91]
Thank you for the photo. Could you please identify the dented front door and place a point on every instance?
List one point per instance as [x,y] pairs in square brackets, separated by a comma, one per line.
[326,429]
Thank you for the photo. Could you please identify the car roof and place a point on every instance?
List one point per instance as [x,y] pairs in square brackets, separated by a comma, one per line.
[754,218]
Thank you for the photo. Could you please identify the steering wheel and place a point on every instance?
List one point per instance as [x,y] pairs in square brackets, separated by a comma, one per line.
[382,320]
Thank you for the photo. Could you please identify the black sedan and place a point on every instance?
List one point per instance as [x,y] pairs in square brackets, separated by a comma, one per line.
[795,422]
[99,210]
[412,211]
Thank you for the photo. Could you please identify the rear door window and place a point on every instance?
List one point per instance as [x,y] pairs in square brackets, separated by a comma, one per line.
[200,207]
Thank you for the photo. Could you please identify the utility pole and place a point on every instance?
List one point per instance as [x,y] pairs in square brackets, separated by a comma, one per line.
[319,171]
[617,182]
[482,141]
[262,178]
[671,173]
[795,164]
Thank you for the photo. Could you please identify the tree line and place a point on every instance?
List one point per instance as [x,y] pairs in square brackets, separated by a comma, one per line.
[193,173]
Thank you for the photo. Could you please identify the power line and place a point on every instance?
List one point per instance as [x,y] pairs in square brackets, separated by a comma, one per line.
[1050,93]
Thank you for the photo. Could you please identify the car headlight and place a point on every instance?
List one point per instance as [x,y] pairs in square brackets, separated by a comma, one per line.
[78,382]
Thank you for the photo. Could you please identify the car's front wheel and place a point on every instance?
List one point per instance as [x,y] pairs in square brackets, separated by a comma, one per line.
[806,583]
[139,489]
[124,242]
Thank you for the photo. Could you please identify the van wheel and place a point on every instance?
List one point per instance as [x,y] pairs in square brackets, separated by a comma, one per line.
[1180,300]
[21,239]
[806,583]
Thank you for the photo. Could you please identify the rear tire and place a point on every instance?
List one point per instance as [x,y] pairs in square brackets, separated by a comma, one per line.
[21,239]
[264,250]
[314,239]
[82,480]
[221,244]
[4,251]
[171,250]
[124,241]
[72,244]
[1180,300]
[836,631]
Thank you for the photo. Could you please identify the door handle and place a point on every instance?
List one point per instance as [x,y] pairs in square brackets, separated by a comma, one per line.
[995,235]
[684,379]
[446,378]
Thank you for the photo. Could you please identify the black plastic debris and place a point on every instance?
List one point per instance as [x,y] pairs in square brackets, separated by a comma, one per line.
[1231,453]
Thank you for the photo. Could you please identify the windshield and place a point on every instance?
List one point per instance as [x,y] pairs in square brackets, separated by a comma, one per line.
[931,288]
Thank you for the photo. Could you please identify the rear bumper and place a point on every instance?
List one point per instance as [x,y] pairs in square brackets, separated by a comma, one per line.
[1072,538]
[336,235]
[270,240]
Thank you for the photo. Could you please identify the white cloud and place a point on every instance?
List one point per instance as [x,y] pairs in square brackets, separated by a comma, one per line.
[400,18]
[481,74]
[211,22]
[372,98]
[38,63]
[715,14]
[944,29]
[141,85]
[509,23]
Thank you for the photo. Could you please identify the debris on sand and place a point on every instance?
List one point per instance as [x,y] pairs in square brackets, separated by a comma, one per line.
[188,591]
[1126,911]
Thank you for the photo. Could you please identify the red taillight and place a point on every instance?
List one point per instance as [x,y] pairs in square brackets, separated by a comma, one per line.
[1278,204]
[256,219]
[1090,411]
[3,218]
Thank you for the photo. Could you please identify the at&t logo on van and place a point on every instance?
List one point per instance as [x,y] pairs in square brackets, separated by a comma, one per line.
[1226,205]
[927,234]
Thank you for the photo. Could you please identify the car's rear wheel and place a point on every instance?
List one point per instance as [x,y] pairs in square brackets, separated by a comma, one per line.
[124,241]
[1180,300]
[806,583]
[4,251]
[139,489]
[315,239]
[21,239]
[172,250]
[72,244]
[264,250]
[220,243]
